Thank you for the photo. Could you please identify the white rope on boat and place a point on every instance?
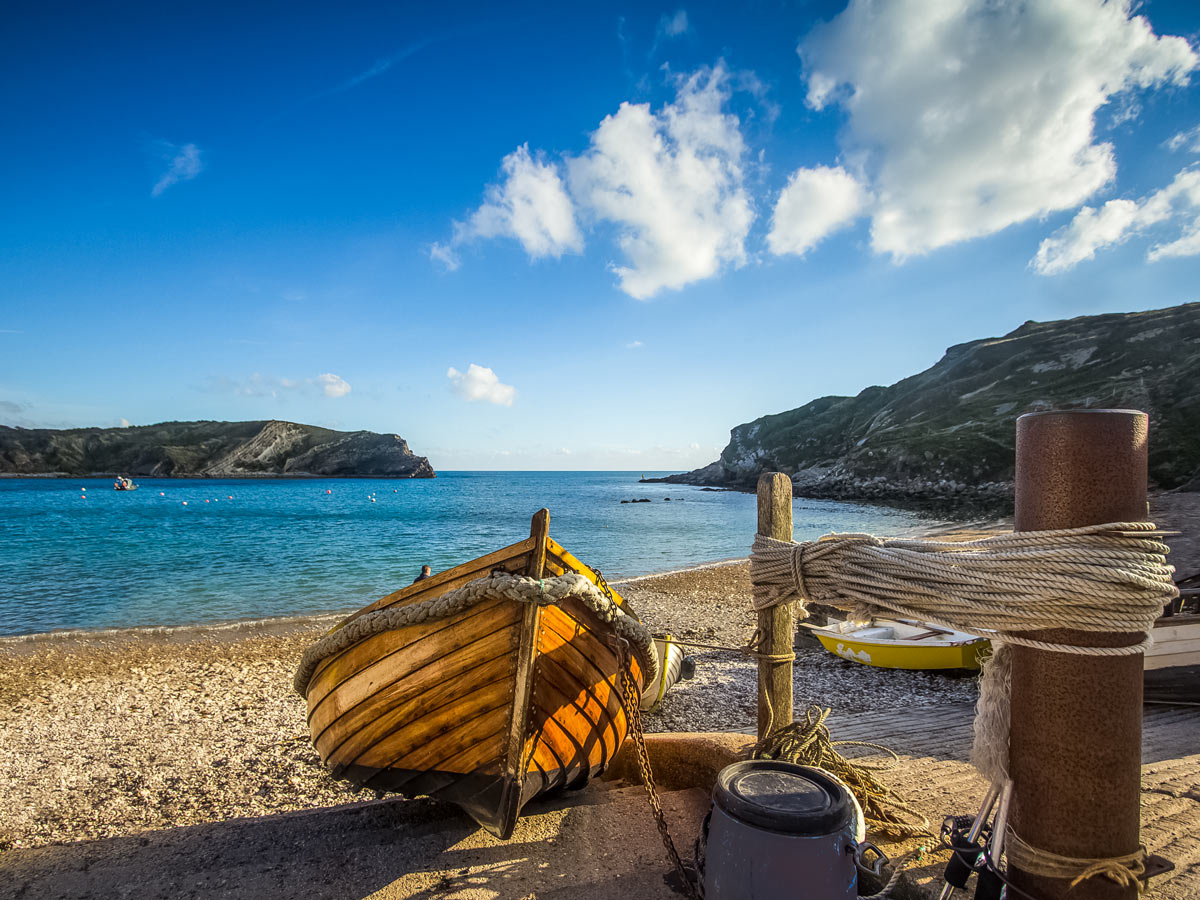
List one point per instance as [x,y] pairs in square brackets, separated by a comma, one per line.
[517,588]
[1101,578]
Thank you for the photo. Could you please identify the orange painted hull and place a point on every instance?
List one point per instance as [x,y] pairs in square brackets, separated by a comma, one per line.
[487,708]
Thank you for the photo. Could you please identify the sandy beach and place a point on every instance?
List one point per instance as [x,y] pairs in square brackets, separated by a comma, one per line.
[122,733]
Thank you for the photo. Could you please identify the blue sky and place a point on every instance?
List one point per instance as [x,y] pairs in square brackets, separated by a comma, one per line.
[574,235]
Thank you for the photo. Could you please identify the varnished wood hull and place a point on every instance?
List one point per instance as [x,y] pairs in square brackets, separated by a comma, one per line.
[487,708]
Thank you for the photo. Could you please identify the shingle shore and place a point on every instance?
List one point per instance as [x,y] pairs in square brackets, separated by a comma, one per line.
[125,732]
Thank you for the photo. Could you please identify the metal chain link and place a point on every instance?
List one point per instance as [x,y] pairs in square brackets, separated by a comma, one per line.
[633,712]
[603,585]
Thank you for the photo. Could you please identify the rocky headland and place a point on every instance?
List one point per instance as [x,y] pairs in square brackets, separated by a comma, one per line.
[947,434]
[209,450]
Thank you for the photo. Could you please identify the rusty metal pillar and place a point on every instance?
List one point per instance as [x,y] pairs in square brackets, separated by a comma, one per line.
[1076,734]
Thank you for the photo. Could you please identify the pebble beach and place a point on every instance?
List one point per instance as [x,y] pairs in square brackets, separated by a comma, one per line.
[125,732]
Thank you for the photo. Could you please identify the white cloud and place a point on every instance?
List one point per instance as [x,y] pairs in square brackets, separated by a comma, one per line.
[967,116]
[124,422]
[1118,220]
[634,345]
[815,203]
[1185,140]
[530,205]
[481,383]
[184,165]
[673,26]
[444,254]
[333,385]
[672,183]
[259,385]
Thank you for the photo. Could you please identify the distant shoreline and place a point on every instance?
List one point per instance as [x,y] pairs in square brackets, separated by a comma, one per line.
[272,476]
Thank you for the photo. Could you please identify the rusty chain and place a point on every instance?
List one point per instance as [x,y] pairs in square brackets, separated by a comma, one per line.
[633,712]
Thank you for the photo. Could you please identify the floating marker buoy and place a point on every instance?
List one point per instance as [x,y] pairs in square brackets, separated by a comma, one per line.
[208,501]
[185,503]
[161,494]
[329,492]
[83,489]
[83,496]
[231,496]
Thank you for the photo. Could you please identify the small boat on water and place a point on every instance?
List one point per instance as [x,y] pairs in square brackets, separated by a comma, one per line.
[487,706]
[901,644]
[124,484]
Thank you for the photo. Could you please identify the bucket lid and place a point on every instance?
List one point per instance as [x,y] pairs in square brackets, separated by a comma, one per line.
[782,796]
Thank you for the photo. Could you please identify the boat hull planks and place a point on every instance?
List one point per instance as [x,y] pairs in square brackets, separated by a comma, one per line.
[489,707]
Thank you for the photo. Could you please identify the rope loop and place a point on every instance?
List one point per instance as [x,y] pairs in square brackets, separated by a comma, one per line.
[1112,577]
[1126,870]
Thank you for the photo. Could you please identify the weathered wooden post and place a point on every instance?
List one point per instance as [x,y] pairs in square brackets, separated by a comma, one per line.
[1076,732]
[776,626]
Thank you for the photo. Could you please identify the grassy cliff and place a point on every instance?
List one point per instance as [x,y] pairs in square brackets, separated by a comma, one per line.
[949,431]
[208,449]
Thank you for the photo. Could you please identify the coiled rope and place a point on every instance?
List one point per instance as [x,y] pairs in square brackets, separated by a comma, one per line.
[1108,578]
[1111,578]
[808,743]
[517,588]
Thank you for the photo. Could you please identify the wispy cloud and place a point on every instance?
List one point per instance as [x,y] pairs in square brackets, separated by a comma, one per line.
[444,254]
[481,383]
[184,164]
[1185,140]
[675,25]
[670,26]
[259,385]
[634,345]
[11,331]
[378,68]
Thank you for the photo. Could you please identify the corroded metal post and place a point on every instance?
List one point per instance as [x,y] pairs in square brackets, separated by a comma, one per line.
[775,625]
[1076,733]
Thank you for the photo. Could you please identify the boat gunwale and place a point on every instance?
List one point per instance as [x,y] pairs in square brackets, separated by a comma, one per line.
[967,641]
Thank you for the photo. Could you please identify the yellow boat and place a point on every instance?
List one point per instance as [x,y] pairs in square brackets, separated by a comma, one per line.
[901,644]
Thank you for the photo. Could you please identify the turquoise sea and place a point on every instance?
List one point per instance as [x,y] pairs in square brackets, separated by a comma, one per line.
[180,552]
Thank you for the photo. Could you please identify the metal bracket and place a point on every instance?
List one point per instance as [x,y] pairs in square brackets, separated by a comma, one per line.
[875,868]
[1156,865]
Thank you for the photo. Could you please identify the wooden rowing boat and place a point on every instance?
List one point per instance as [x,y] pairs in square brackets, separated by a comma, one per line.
[488,707]
[901,644]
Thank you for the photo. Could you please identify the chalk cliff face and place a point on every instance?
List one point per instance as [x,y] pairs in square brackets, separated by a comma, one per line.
[948,432]
[210,450]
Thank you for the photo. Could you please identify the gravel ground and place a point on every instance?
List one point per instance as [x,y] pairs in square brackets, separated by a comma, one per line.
[125,732]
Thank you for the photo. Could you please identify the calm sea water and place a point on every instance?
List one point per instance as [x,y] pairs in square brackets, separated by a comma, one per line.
[178,552]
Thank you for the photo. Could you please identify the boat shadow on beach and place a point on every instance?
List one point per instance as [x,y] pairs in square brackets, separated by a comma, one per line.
[385,848]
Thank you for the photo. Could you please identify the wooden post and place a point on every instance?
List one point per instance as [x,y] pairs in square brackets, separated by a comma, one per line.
[515,754]
[1076,734]
[775,625]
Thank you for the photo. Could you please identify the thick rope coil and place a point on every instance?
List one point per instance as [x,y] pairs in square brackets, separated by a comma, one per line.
[1112,577]
[1126,871]
[1104,578]
[517,588]
[808,743]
